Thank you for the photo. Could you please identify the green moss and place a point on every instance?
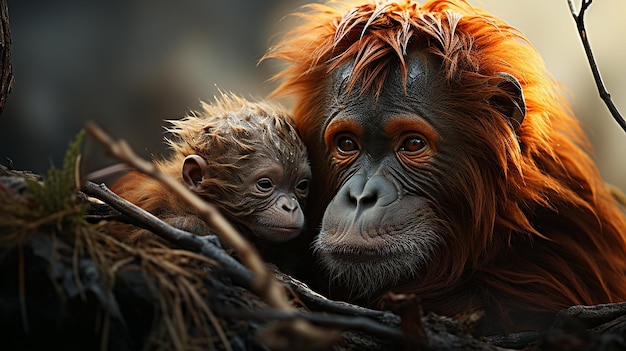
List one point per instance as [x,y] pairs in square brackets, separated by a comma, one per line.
[50,204]
[58,190]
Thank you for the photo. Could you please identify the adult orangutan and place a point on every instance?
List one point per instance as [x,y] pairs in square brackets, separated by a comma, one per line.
[447,164]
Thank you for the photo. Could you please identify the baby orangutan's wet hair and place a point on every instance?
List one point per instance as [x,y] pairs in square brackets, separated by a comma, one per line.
[244,157]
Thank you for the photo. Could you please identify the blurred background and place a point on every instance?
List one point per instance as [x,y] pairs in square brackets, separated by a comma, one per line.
[131,64]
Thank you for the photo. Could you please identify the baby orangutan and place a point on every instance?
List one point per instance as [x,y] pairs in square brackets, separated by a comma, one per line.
[244,157]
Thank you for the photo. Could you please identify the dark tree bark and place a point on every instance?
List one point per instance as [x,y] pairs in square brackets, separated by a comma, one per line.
[6,70]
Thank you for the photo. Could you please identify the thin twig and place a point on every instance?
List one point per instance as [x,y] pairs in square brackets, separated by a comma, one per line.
[579,18]
[315,301]
[107,172]
[22,290]
[264,283]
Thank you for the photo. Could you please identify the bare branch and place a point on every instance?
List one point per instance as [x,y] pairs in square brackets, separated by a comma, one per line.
[204,245]
[318,302]
[579,18]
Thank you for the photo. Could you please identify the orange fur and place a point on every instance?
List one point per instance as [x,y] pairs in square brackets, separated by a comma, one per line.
[545,235]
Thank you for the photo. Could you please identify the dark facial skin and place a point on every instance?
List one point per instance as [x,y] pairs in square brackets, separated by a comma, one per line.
[382,226]
[278,200]
[273,193]
[406,171]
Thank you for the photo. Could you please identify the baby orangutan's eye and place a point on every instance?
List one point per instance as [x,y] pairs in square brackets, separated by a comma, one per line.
[264,184]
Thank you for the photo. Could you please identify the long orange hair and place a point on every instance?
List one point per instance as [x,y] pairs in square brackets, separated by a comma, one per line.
[546,234]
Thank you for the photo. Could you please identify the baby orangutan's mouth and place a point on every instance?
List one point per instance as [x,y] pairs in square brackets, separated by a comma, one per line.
[277,234]
[285,230]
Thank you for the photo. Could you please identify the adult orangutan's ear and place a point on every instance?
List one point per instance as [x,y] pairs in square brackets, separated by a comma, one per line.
[194,171]
[510,102]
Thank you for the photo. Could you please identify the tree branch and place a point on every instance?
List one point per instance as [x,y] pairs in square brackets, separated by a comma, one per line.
[579,18]
[204,245]
[315,301]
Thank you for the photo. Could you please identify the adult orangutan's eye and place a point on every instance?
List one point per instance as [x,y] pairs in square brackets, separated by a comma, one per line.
[413,144]
[346,145]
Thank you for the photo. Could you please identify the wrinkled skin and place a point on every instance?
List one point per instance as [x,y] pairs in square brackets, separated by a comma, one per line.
[273,196]
[396,158]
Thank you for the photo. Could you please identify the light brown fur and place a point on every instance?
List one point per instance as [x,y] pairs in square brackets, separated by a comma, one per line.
[235,138]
